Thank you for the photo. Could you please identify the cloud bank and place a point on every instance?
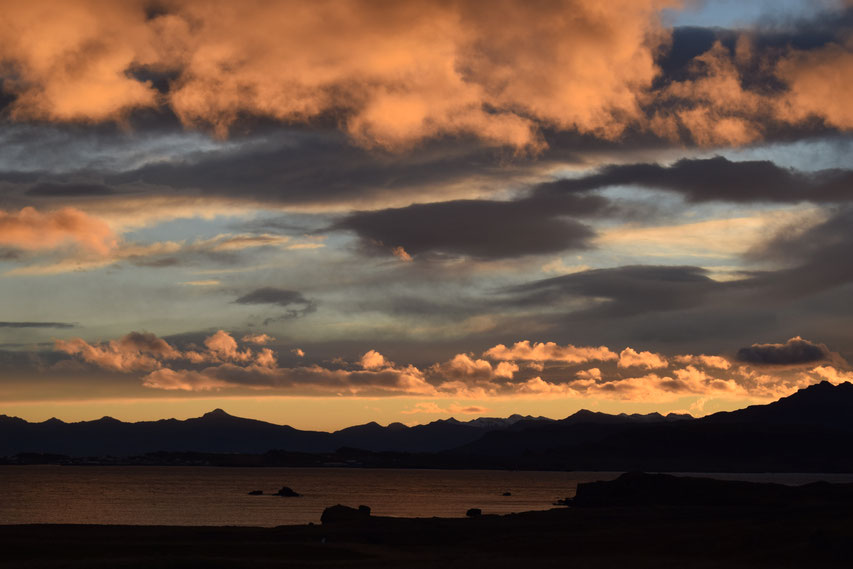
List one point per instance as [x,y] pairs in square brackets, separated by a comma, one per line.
[394,74]
[533,370]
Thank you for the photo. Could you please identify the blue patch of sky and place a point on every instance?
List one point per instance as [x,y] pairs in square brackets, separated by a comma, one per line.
[57,149]
[254,222]
[744,13]
[661,207]
[804,155]
[183,229]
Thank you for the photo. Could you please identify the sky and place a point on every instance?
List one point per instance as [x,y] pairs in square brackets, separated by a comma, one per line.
[323,214]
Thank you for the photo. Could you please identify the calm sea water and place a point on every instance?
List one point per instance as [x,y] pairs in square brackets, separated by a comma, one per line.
[219,496]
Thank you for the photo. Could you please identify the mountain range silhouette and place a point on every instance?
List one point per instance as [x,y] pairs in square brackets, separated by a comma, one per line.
[810,430]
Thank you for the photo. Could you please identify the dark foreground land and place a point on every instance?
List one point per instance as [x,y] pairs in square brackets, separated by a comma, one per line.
[636,521]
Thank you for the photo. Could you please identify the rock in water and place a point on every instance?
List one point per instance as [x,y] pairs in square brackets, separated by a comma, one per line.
[288,492]
[474,512]
[256,493]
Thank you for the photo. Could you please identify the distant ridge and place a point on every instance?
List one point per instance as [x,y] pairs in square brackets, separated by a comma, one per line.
[219,431]
[809,431]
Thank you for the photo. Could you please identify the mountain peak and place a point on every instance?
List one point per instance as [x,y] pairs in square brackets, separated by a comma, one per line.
[216,414]
[105,420]
[825,387]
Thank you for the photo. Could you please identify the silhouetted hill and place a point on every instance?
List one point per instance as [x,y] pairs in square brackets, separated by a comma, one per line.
[219,432]
[809,431]
[822,404]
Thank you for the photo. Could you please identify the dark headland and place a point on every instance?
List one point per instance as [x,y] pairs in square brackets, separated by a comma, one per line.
[636,521]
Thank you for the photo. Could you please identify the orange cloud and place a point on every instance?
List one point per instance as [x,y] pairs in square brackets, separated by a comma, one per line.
[815,79]
[707,361]
[182,380]
[591,374]
[259,339]
[632,358]
[70,60]
[373,360]
[549,351]
[223,365]
[395,72]
[405,71]
[223,347]
[309,380]
[715,108]
[145,351]
[69,239]
[431,407]
[463,366]
[712,105]
[136,351]
[832,374]
[538,387]
[31,230]
[401,254]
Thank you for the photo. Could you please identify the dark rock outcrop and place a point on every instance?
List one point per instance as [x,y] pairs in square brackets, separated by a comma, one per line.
[474,512]
[288,492]
[341,514]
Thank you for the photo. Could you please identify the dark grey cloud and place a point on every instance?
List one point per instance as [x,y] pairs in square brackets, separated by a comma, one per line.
[270,295]
[302,167]
[621,291]
[293,313]
[718,179]
[60,325]
[156,262]
[280,297]
[483,229]
[299,166]
[795,244]
[817,257]
[794,351]
[69,190]
[804,292]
